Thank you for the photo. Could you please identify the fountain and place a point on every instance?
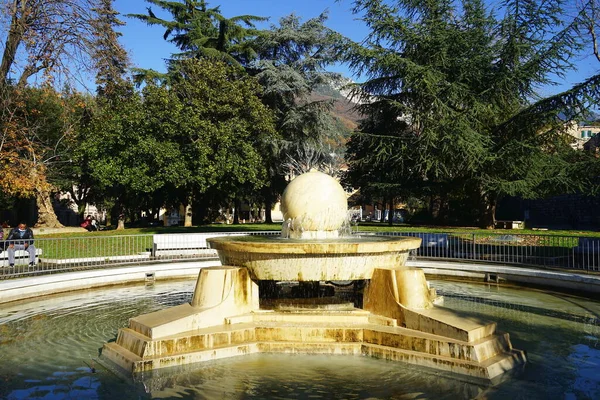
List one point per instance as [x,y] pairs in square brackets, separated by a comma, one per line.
[234,310]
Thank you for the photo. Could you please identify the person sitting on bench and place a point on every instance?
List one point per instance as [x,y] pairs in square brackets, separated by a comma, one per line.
[20,238]
[90,224]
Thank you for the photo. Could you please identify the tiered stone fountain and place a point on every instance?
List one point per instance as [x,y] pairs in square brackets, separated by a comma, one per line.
[228,316]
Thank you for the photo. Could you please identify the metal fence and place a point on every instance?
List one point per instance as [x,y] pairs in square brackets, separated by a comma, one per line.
[81,253]
[55,255]
[569,252]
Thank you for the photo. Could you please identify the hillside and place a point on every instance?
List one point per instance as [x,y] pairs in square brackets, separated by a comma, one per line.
[343,109]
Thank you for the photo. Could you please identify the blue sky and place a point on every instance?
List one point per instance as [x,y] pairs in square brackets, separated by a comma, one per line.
[148,49]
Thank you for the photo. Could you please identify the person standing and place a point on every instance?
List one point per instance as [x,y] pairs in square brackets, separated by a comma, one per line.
[20,238]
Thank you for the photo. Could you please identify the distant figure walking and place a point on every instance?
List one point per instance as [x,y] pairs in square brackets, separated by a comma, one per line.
[20,238]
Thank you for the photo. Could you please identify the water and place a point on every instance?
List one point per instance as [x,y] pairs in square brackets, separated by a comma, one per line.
[48,347]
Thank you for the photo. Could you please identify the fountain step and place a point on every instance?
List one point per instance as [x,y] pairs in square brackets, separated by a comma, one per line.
[120,356]
[449,323]
[487,370]
[266,316]
[408,339]
[307,347]
[294,331]
[204,339]
[133,363]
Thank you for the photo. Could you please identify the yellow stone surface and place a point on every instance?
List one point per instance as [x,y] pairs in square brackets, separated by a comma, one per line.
[313,202]
[220,292]
[402,294]
[333,332]
[272,258]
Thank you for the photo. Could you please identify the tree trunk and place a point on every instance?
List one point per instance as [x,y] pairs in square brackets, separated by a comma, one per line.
[46,215]
[435,205]
[382,216]
[391,212]
[268,214]
[79,195]
[13,40]
[187,219]
[489,202]
[119,213]
[443,216]
[236,212]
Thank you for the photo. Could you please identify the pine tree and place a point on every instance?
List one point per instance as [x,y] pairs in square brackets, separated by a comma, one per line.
[199,31]
[290,64]
[466,80]
[110,58]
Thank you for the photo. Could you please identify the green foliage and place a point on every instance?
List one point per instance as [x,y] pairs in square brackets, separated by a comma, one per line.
[123,149]
[201,32]
[110,58]
[204,132]
[224,126]
[465,82]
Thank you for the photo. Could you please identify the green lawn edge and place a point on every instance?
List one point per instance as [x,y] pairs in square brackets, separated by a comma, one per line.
[365,227]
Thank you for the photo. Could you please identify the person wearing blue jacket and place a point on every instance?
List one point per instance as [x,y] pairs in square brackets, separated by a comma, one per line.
[20,238]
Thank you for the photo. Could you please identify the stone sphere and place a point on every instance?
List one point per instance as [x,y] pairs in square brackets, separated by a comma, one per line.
[314,201]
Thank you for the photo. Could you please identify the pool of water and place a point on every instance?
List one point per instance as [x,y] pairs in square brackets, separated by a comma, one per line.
[48,349]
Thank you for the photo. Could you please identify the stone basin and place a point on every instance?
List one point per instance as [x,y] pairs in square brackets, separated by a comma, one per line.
[281,259]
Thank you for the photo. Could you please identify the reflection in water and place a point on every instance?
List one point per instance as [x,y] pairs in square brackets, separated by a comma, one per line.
[48,349]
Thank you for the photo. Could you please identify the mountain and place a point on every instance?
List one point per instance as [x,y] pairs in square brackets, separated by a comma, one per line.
[344,109]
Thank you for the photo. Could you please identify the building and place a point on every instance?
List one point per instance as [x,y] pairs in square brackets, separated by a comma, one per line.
[582,133]
[593,144]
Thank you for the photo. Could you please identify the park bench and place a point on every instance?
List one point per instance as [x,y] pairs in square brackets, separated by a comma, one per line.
[433,244]
[183,243]
[21,257]
[509,224]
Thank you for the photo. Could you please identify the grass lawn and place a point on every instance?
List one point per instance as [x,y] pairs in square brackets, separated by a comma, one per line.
[363,226]
[133,241]
[169,229]
[384,227]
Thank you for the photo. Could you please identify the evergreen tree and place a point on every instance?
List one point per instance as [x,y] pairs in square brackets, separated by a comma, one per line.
[110,58]
[199,31]
[466,81]
[291,63]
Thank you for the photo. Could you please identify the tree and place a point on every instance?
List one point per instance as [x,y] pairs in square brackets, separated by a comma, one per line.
[224,129]
[45,36]
[127,156]
[53,40]
[111,61]
[201,32]
[291,63]
[381,156]
[590,24]
[202,133]
[466,81]
[39,134]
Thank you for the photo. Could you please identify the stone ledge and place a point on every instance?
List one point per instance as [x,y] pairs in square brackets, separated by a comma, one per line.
[36,286]
[484,359]
[548,278]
